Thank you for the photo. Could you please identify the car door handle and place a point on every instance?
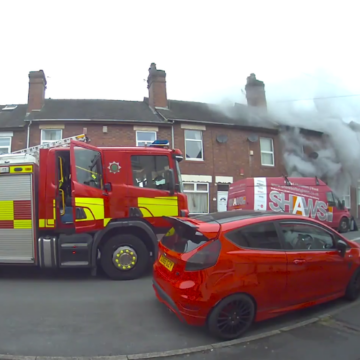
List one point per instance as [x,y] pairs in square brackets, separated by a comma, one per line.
[299,261]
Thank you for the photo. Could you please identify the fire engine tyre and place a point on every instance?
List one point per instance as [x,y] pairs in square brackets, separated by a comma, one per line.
[231,317]
[130,255]
[344,225]
[353,288]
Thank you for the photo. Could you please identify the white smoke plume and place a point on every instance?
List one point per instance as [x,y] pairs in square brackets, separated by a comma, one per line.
[326,108]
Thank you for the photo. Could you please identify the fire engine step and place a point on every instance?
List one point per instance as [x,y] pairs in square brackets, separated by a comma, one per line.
[65,251]
[75,250]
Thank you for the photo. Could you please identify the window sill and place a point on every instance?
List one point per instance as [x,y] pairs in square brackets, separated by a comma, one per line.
[195,160]
[268,166]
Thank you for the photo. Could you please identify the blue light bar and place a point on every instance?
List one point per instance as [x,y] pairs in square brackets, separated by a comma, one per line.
[160,144]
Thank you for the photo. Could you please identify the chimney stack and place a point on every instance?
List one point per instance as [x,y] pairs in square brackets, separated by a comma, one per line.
[157,87]
[255,92]
[37,87]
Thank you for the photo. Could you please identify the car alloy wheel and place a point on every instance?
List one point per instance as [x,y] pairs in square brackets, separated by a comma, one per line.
[232,317]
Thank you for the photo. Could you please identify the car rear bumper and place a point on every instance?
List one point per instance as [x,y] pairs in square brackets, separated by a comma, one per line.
[190,317]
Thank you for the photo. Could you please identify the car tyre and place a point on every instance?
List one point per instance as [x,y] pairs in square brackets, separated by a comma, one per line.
[353,289]
[129,242]
[231,317]
[344,225]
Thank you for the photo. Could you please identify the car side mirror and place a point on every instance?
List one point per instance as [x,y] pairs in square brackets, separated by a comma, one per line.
[341,246]
[170,179]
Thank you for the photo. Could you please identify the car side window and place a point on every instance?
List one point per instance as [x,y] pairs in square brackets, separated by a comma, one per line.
[300,236]
[260,236]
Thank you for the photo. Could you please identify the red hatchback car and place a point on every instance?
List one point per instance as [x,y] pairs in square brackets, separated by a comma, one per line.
[226,270]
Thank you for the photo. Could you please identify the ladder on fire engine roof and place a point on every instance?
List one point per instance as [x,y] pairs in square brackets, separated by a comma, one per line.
[34,150]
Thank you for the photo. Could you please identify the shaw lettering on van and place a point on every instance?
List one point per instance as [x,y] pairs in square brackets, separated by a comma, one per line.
[239,201]
[300,205]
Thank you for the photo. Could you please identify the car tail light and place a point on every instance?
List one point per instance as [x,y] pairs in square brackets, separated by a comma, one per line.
[205,257]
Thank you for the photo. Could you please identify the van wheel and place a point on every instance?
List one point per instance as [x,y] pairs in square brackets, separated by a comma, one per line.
[353,288]
[232,317]
[124,257]
[344,225]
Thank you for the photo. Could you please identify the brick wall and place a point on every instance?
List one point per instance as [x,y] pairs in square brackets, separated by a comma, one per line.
[18,141]
[116,135]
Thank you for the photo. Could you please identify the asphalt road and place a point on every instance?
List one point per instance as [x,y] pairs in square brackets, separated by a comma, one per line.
[72,314]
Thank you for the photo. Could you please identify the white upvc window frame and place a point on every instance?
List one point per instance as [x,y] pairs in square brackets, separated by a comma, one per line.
[8,137]
[195,191]
[195,140]
[272,153]
[42,141]
[142,141]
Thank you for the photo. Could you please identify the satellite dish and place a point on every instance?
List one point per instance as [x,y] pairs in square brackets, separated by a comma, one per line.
[253,138]
[222,139]
[313,155]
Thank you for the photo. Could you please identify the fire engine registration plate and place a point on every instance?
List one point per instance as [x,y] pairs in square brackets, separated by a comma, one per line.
[166,262]
[4,170]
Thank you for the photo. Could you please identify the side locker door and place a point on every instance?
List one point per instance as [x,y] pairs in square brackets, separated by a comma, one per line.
[87,187]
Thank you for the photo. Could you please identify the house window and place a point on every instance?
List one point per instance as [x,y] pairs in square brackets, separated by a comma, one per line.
[267,151]
[347,198]
[358,193]
[50,135]
[5,144]
[194,145]
[144,138]
[198,197]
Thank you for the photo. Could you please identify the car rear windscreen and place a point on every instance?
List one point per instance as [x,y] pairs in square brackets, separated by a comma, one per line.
[182,239]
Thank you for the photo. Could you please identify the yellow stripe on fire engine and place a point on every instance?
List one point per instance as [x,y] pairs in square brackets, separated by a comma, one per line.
[7,210]
[22,224]
[21,169]
[158,206]
[95,205]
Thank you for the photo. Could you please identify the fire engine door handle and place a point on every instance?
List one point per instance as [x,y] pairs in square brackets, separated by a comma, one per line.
[299,261]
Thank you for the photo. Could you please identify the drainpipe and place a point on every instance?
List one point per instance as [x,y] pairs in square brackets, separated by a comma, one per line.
[28,135]
[172,137]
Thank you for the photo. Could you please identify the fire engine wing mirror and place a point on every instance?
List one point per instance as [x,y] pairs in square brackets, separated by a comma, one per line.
[170,179]
[343,203]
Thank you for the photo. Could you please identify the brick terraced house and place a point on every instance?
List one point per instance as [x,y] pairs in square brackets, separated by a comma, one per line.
[220,145]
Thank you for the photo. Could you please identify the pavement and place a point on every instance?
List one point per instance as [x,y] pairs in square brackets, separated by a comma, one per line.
[71,314]
[331,338]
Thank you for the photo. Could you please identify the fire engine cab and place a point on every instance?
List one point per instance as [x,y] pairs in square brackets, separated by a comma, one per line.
[68,204]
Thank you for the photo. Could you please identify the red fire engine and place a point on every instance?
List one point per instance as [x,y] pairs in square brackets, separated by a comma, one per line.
[79,206]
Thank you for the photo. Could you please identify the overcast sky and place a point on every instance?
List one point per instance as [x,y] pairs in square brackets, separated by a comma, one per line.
[102,50]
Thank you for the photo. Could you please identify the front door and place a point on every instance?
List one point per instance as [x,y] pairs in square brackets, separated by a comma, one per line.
[89,198]
[315,268]
[222,198]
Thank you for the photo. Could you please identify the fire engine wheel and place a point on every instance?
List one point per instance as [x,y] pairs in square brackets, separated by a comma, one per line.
[344,225]
[124,257]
